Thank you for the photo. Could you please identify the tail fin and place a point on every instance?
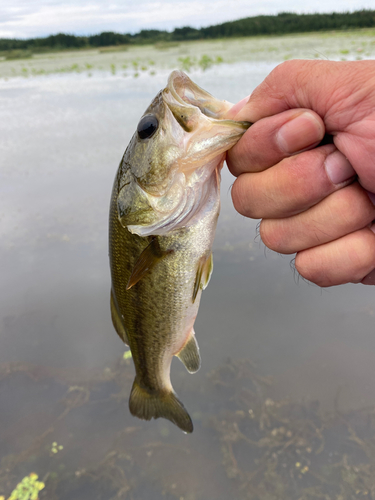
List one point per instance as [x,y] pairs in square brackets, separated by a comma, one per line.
[146,406]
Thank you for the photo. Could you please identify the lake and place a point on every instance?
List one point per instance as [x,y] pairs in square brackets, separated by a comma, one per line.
[284,404]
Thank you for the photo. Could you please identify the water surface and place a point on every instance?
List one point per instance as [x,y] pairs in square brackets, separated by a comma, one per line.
[62,376]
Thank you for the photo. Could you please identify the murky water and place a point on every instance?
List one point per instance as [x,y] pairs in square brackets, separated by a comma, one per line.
[62,377]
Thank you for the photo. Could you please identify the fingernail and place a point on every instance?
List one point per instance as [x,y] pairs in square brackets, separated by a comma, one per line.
[338,168]
[236,108]
[369,279]
[299,133]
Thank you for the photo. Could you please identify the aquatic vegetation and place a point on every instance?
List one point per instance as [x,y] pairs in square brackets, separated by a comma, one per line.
[188,55]
[27,489]
[113,68]
[18,54]
[55,448]
[205,62]
[186,63]
[166,45]
[263,447]
[344,51]
[282,449]
[118,48]
[39,71]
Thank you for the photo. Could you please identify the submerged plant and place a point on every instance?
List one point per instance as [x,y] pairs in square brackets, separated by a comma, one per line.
[27,489]
[55,448]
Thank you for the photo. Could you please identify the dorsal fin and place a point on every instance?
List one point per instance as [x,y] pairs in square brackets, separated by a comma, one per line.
[150,256]
[189,354]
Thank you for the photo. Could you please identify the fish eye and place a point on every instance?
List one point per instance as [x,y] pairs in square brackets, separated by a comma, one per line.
[147,126]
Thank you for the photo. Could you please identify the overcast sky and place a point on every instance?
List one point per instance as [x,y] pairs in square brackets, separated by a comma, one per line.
[31,18]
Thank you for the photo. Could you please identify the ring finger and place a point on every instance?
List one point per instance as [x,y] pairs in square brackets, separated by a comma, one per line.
[341,213]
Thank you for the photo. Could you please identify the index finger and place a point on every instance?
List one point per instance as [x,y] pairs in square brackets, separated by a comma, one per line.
[271,139]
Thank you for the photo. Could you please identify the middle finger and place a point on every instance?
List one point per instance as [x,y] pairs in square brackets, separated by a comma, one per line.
[293,185]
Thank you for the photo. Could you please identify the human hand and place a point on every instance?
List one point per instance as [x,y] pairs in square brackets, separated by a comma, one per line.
[312,198]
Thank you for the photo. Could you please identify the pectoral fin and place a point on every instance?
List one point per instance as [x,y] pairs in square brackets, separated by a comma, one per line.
[150,256]
[204,272]
[189,354]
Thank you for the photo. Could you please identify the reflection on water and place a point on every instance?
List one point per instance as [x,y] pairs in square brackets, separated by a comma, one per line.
[62,377]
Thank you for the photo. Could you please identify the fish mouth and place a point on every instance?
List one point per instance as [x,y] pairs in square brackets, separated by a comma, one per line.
[206,130]
[189,103]
[186,92]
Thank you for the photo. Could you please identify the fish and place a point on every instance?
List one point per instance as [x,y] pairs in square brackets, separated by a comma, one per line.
[163,212]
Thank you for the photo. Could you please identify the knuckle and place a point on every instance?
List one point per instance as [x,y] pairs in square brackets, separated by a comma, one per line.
[273,236]
[240,196]
[354,205]
[361,254]
[348,259]
[307,268]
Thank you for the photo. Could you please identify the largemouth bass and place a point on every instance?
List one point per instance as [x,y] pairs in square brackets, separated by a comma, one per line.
[164,208]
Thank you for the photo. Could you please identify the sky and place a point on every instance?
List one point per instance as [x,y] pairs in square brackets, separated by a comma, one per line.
[33,18]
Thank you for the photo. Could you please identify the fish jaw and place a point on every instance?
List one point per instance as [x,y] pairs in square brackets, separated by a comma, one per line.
[184,90]
[198,120]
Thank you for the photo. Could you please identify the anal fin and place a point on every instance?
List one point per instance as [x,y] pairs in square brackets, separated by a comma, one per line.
[150,256]
[189,354]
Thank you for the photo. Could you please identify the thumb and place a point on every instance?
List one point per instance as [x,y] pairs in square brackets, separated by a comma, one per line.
[315,85]
[341,93]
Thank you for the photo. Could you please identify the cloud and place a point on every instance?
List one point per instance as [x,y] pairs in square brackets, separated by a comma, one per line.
[23,19]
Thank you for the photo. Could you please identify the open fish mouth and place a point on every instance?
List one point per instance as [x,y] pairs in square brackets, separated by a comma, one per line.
[185,91]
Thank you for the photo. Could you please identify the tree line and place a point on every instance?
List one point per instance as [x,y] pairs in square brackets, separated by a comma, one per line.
[283,23]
